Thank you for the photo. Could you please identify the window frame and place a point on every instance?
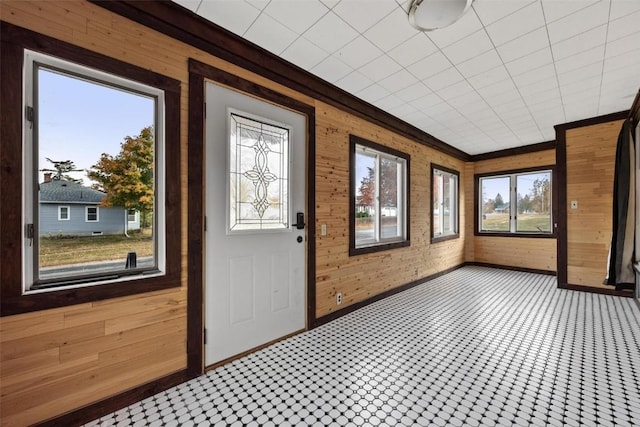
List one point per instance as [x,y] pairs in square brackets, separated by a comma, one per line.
[513,174]
[68,209]
[86,214]
[12,168]
[455,234]
[135,215]
[354,142]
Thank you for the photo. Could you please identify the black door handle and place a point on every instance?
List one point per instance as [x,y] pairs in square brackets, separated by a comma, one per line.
[299,221]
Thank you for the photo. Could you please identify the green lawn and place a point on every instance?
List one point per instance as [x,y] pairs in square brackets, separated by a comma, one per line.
[65,250]
[526,222]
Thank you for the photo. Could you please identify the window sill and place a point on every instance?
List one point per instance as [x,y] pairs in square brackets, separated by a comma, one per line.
[525,235]
[378,248]
[445,238]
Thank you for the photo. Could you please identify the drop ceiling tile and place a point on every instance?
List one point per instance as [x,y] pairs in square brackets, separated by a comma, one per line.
[330,3]
[428,102]
[624,26]
[443,79]
[582,110]
[331,69]
[495,75]
[480,64]
[330,33]
[434,110]
[579,22]
[523,21]
[535,75]
[391,31]
[455,90]
[468,24]
[358,52]
[580,60]
[624,45]
[413,50]
[270,34]
[584,41]
[258,4]
[413,92]
[534,60]
[389,102]
[543,97]
[296,15]
[379,68]
[429,66]
[524,45]
[354,82]
[402,110]
[572,87]
[502,98]
[363,16]
[577,97]
[373,93]
[192,5]
[584,73]
[468,103]
[540,86]
[621,61]
[304,54]
[491,11]
[622,8]
[469,47]
[234,16]
[398,81]
[557,9]
[499,92]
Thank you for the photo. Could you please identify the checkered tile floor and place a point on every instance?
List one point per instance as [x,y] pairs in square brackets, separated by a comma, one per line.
[477,346]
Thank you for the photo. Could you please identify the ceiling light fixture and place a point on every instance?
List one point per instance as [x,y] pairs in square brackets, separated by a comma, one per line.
[429,15]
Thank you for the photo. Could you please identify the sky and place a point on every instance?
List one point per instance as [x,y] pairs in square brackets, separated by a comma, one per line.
[491,187]
[79,120]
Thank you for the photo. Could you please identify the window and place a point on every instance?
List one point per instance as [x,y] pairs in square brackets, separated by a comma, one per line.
[91,214]
[131,215]
[379,197]
[120,171]
[516,202]
[63,213]
[444,203]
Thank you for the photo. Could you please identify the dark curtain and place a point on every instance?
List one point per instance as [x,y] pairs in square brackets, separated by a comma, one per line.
[621,255]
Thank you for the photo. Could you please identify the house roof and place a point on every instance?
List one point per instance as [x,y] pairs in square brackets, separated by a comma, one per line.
[61,191]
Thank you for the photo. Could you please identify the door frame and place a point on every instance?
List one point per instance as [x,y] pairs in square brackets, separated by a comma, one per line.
[199,73]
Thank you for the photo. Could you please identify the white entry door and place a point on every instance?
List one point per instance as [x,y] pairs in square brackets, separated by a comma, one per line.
[255,254]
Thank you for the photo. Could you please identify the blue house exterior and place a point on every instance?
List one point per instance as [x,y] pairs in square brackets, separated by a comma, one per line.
[69,208]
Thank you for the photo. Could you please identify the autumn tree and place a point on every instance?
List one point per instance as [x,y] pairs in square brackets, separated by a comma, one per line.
[61,169]
[367,192]
[127,178]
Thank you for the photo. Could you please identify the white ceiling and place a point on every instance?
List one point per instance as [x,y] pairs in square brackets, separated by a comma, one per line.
[500,77]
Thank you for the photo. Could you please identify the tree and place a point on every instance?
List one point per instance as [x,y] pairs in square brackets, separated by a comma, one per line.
[388,182]
[540,195]
[498,202]
[367,193]
[127,179]
[61,169]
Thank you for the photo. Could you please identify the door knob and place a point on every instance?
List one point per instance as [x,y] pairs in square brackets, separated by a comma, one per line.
[299,221]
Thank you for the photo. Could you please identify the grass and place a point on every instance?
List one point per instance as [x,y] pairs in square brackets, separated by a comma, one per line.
[526,222]
[66,250]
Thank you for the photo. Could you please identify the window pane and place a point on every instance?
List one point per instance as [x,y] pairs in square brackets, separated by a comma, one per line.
[365,182]
[389,190]
[95,153]
[447,188]
[534,202]
[494,209]
[437,203]
[258,175]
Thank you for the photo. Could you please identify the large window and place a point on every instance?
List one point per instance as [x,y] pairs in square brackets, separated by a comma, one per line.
[444,203]
[379,197]
[93,141]
[516,202]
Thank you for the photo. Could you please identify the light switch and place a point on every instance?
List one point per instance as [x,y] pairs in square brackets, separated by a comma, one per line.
[574,204]
[323,230]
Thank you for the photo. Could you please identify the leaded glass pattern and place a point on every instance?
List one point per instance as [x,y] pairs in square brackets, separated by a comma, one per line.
[258,174]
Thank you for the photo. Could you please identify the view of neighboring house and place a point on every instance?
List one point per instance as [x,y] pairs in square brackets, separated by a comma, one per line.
[501,208]
[69,208]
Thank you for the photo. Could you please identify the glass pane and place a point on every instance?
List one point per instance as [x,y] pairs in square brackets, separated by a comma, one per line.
[495,203]
[389,188]
[437,203]
[447,187]
[534,202]
[95,154]
[365,198]
[258,175]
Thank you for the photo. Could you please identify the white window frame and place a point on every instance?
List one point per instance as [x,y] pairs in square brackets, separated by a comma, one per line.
[377,239]
[513,203]
[135,215]
[68,209]
[86,214]
[453,197]
[32,62]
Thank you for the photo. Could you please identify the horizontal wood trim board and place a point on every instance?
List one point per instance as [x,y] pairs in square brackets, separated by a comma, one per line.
[527,149]
[592,290]
[621,115]
[177,22]
[106,406]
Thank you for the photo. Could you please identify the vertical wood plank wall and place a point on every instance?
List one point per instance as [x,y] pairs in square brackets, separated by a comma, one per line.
[532,253]
[591,152]
[361,277]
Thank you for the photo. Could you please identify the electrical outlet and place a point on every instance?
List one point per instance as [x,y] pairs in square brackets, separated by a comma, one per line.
[323,230]
[574,204]
[339,298]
